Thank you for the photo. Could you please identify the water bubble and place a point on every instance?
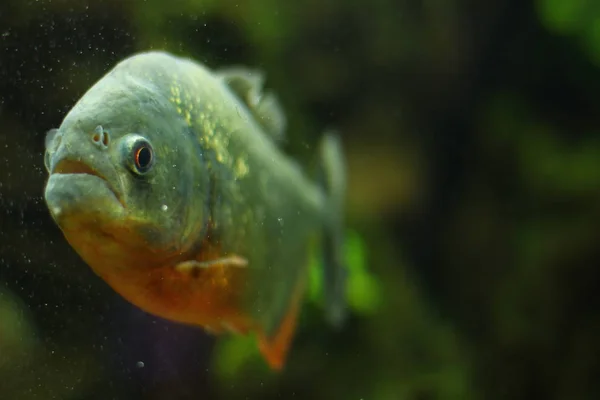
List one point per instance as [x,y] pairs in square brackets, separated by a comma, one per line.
[164,207]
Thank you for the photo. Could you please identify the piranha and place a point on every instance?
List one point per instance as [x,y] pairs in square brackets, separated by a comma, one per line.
[169,181]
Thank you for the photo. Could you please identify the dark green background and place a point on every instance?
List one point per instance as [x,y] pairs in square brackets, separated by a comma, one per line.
[472,136]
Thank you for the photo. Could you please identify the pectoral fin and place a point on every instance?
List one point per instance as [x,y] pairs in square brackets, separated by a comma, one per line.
[231,261]
[213,280]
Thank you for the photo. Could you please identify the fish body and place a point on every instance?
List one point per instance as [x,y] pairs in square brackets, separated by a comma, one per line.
[167,179]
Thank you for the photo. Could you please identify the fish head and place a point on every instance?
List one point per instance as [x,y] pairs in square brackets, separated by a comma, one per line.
[124,179]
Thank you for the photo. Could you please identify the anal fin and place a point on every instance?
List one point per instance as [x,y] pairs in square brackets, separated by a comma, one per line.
[275,348]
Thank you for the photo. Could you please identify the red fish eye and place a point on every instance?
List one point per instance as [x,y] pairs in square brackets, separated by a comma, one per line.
[143,157]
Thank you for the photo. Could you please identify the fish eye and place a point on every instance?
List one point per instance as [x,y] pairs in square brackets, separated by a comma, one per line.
[143,158]
[140,154]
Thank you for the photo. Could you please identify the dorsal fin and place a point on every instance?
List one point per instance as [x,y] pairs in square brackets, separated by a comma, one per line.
[247,84]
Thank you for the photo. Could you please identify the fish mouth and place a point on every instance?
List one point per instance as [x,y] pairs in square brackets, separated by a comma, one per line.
[72,167]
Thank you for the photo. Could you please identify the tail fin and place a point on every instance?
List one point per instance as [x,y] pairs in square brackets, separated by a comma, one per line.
[332,176]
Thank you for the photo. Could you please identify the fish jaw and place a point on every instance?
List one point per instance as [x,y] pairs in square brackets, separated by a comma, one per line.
[73,198]
[96,224]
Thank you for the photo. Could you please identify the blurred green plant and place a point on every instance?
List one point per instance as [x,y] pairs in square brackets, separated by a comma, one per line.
[577,18]
[29,370]
[17,338]
[363,291]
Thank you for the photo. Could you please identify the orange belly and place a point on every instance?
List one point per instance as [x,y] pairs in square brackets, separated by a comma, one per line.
[211,298]
[205,297]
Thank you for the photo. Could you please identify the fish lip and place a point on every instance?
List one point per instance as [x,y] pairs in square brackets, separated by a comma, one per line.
[74,167]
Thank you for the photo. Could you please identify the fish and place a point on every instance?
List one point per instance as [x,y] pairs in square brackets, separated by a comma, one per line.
[169,180]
